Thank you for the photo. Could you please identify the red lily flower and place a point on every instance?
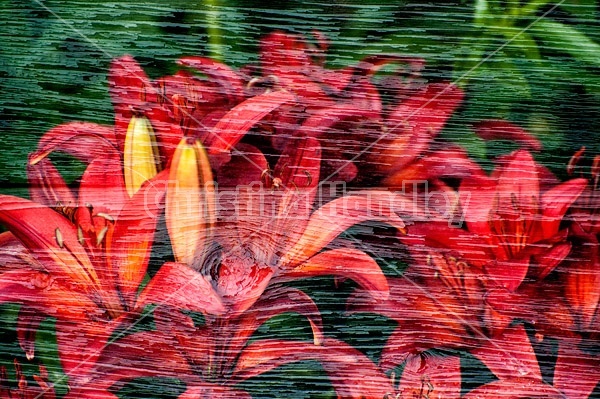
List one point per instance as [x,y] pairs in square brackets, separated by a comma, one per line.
[493,129]
[43,390]
[185,105]
[243,263]
[265,234]
[345,106]
[509,212]
[512,232]
[100,258]
[89,286]
[581,270]
[212,358]
[172,105]
[432,168]
[431,309]
[509,356]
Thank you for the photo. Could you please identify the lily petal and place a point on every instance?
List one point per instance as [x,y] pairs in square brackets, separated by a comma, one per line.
[414,123]
[345,212]
[28,323]
[548,261]
[242,207]
[90,393]
[510,273]
[348,263]
[131,239]
[428,317]
[129,86]
[14,255]
[518,189]
[80,345]
[128,358]
[453,162]
[510,355]
[46,185]
[175,284]
[207,390]
[576,373]
[515,388]
[273,303]
[83,140]
[50,237]
[422,238]
[351,373]
[582,282]
[555,203]
[409,341]
[323,119]
[439,376]
[46,294]
[477,196]
[298,171]
[502,130]
[236,123]
[103,185]
[218,72]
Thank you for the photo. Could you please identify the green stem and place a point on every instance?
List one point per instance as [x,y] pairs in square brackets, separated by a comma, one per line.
[481,13]
[215,36]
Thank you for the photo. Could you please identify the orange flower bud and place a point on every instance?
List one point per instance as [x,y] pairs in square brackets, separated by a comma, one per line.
[190,201]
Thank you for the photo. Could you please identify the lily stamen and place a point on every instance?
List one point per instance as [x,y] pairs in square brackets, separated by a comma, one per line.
[106,216]
[101,235]
[59,238]
[80,236]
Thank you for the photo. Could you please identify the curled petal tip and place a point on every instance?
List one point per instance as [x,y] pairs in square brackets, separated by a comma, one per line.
[596,167]
[503,130]
[36,157]
[574,161]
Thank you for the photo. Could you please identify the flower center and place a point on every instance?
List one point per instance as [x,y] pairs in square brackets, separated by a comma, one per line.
[512,225]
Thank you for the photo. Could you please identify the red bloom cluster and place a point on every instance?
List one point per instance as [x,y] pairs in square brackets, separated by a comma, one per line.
[236,162]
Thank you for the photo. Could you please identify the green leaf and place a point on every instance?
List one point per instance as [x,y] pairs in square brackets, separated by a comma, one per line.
[525,43]
[583,9]
[46,350]
[459,133]
[495,87]
[564,38]
[474,50]
[152,388]
[305,379]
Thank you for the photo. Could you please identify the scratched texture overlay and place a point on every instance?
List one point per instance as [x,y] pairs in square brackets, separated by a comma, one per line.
[311,199]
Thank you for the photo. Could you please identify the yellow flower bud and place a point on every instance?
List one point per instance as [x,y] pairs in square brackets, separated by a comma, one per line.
[141,157]
[190,202]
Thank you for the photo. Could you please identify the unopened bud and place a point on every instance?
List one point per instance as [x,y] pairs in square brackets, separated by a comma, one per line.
[190,202]
[141,157]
